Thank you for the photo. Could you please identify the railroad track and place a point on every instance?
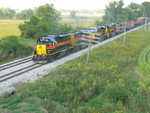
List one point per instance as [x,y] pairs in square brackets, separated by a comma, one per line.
[19,72]
[15,63]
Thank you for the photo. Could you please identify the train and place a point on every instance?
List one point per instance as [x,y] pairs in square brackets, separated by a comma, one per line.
[52,47]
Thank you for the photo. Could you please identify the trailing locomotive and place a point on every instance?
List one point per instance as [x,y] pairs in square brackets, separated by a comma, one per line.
[107,31]
[53,46]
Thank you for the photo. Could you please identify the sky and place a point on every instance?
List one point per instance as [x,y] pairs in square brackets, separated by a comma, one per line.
[62,4]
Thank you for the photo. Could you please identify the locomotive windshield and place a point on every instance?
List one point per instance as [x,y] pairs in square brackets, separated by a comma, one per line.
[50,41]
[42,41]
[100,29]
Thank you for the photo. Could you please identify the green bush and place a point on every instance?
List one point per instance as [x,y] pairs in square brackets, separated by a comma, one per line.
[11,48]
[116,92]
[65,28]
[95,102]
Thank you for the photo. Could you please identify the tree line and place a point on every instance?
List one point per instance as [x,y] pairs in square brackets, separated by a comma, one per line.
[8,13]
[46,19]
[116,12]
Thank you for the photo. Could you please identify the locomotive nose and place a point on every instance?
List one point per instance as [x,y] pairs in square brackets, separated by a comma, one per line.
[41,49]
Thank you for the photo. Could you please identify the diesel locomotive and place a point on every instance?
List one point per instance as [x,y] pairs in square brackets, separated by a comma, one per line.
[53,46]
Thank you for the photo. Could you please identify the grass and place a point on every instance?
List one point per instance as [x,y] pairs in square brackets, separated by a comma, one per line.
[9,27]
[109,83]
[28,105]
[28,42]
[144,60]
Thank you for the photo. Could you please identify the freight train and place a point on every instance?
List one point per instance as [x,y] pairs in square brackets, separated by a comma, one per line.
[53,46]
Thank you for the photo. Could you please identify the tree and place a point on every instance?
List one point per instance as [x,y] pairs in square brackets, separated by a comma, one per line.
[34,28]
[73,14]
[146,6]
[136,9]
[65,28]
[99,23]
[7,13]
[1,14]
[113,11]
[44,22]
[129,14]
[49,16]
[25,14]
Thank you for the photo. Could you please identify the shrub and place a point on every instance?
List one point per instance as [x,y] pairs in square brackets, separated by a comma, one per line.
[11,48]
[116,92]
[95,102]
[65,28]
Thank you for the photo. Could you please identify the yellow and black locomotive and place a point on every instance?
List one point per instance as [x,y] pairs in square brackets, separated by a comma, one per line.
[53,46]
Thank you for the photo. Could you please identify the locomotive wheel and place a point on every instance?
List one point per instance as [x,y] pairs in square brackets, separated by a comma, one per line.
[69,51]
[76,49]
[52,58]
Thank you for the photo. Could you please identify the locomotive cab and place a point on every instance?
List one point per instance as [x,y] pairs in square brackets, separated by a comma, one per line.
[40,53]
[119,28]
[100,31]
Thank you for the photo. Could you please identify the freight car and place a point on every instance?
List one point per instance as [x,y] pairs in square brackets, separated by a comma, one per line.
[140,21]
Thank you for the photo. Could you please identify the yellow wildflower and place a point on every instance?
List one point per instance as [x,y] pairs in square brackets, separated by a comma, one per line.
[142,84]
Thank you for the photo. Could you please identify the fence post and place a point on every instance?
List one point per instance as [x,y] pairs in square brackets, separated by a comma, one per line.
[124,38]
[89,48]
[145,23]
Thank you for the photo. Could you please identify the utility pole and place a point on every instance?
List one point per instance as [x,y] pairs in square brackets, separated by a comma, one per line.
[89,47]
[124,38]
[145,23]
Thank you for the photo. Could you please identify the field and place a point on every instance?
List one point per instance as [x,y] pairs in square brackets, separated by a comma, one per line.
[83,22]
[9,27]
[110,83]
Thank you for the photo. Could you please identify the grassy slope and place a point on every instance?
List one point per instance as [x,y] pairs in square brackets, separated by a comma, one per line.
[144,61]
[111,82]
